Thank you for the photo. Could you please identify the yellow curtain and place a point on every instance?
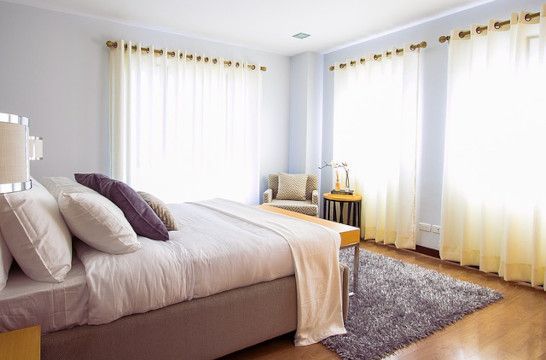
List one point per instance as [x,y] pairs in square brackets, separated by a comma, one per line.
[494,195]
[375,130]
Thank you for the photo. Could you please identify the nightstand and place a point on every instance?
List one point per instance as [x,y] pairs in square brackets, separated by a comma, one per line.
[354,205]
[22,344]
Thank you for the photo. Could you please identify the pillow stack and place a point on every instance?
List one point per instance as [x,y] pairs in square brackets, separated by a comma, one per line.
[36,225]
[139,214]
[92,218]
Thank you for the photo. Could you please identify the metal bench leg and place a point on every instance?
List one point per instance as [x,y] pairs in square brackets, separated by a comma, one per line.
[356,268]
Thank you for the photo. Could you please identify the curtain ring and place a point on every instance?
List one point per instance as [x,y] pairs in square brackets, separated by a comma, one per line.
[497,25]
[461,34]
[528,17]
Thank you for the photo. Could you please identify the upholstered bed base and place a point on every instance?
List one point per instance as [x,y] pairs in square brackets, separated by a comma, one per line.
[203,328]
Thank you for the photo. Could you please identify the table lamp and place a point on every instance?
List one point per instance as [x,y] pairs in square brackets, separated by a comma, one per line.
[16,149]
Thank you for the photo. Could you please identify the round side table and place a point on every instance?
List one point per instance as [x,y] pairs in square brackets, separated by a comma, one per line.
[354,205]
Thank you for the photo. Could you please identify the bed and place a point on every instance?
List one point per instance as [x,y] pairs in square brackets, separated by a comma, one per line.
[235,286]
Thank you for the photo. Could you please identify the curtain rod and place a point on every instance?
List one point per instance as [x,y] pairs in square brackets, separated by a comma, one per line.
[113,45]
[499,24]
[362,60]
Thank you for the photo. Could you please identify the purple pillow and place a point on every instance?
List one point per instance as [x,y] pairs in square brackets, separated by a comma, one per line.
[140,215]
[91,181]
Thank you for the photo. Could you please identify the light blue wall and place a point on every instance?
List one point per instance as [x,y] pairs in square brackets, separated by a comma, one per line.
[434,72]
[305,113]
[299,78]
[54,69]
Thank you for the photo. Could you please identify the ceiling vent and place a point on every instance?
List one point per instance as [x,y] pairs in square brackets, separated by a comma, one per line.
[301,35]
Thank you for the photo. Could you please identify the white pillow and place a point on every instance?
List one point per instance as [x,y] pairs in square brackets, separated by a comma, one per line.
[56,185]
[93,218]
[36,234]
[5,262]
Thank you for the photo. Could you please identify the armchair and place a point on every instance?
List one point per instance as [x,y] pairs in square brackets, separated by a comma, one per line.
[309,206]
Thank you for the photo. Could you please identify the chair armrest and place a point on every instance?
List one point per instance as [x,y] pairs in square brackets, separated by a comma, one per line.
[268,196]
[314,197]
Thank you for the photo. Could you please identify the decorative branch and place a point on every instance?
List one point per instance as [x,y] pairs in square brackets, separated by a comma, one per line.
[336,165]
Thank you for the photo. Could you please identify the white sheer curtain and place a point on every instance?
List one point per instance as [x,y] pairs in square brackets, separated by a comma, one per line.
[376,112]
[185,129]
[494,196]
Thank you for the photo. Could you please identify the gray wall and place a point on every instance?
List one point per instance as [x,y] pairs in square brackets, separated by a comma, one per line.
[434,72]
[54,69]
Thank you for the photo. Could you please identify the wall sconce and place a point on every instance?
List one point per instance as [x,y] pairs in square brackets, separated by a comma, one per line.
[16,149]
[35,148]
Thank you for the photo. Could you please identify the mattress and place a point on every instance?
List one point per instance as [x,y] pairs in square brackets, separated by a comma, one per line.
[25,302]
[209,254]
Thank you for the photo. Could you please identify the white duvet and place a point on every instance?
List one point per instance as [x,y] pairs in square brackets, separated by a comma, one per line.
[221,245]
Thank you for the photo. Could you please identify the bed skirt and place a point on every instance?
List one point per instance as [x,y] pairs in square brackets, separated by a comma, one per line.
[204,328]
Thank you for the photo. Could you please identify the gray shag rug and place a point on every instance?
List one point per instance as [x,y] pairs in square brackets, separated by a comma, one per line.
[400,303]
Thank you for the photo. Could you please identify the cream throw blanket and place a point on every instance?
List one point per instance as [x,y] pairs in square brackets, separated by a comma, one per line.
[315,252]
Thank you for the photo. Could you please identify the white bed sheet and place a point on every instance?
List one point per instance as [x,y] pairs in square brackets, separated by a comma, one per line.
[55,306]
[211,253]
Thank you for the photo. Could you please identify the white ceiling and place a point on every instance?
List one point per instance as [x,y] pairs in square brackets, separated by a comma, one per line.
[264,24]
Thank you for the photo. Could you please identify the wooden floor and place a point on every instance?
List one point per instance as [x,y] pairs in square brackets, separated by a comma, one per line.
[513,328]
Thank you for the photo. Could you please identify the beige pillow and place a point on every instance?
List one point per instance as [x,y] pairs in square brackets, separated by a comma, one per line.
[161,210]
[292,186]
[36,233]
[93,218]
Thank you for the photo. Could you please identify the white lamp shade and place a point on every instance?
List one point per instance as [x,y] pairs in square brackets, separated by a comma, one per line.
[14,161]
[35,148]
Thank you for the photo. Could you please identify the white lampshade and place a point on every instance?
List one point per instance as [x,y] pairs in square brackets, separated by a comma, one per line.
[35,148]
[14,160]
